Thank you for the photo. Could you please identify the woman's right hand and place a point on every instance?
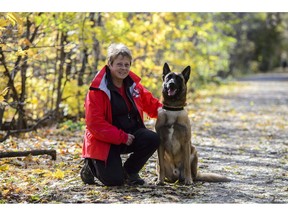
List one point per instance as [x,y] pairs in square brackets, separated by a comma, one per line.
[130,139]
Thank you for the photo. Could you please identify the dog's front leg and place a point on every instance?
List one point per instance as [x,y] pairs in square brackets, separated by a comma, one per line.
[161,173]
[187,165]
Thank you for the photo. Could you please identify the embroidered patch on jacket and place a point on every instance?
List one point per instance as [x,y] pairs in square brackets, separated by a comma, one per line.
[135,93]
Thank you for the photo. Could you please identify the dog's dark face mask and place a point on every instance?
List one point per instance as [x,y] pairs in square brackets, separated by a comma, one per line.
[173,83]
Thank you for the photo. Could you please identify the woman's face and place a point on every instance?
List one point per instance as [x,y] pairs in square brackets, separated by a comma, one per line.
[120,68]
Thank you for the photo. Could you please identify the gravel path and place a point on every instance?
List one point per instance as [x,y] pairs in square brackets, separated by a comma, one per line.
[240,132]
[243,133]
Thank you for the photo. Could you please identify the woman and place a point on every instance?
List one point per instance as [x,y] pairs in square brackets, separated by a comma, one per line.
[114,109]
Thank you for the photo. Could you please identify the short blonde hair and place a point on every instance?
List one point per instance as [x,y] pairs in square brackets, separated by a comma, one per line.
[116,49]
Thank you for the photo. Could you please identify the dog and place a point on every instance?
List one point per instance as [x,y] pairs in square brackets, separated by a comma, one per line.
[177,157]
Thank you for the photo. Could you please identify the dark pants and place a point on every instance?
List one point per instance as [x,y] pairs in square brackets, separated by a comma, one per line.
[144,145]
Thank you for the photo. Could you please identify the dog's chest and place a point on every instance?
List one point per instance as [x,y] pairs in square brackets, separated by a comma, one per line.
[173,131]
[172,144]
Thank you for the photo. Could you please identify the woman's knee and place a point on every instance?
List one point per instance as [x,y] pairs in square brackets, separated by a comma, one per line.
[154,138]
[112,180]
[110,174]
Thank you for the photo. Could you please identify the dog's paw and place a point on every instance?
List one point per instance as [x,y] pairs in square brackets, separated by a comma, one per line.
[188,182]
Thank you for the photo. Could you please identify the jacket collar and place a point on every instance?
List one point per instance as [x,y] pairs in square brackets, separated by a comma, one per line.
[101,80]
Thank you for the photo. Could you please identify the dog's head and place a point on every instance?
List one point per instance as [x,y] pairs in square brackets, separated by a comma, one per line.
[174,83]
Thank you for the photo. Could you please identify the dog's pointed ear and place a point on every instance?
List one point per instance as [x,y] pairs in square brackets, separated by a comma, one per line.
[186,73]
[166,70]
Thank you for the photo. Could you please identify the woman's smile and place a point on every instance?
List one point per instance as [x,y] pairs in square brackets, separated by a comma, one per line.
[120,69]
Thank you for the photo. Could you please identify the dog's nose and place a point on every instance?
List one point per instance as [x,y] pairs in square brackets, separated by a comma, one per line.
[171,84]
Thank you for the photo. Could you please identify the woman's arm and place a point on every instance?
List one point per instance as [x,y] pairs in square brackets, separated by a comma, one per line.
[99,120]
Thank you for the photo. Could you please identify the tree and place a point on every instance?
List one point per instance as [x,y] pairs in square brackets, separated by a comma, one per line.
[49,59]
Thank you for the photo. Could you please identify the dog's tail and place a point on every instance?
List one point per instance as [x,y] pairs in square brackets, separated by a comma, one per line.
[211,177]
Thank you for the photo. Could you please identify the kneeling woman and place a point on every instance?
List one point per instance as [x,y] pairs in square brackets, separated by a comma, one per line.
[114,109]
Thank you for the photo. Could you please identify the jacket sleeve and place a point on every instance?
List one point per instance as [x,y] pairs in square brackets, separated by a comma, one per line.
[150,103]
[99,119]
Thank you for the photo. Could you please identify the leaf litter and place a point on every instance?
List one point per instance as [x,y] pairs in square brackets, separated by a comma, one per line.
[240,130]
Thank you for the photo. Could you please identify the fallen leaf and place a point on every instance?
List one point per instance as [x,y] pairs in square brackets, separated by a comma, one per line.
[58,174]
[4,167]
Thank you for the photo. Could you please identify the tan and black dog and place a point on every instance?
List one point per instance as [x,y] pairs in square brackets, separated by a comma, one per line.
[178,159]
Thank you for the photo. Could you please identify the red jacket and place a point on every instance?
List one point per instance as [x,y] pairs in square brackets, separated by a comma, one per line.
[100,133]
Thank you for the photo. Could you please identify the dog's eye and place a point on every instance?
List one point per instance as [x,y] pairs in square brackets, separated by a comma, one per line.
[169,77]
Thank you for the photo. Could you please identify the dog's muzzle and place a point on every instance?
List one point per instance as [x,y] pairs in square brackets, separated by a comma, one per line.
[171,88]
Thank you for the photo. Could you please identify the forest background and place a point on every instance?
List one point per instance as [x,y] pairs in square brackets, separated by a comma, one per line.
[47,60]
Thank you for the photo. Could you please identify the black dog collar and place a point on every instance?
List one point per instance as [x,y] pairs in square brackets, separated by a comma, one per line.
[170,108]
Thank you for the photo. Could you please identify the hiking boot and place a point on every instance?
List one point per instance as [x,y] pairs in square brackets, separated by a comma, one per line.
[86,174]
[134,179]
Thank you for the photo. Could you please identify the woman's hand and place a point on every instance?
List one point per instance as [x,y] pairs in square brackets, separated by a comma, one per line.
[130,139]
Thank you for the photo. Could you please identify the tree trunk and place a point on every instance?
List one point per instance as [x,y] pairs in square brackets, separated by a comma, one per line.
[22,122]
[83,67]
[63,39]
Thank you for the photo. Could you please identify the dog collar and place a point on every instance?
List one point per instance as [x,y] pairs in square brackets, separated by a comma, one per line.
[171,108]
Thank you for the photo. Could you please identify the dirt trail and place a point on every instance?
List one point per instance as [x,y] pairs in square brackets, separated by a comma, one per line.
[240,131]
[244,133]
